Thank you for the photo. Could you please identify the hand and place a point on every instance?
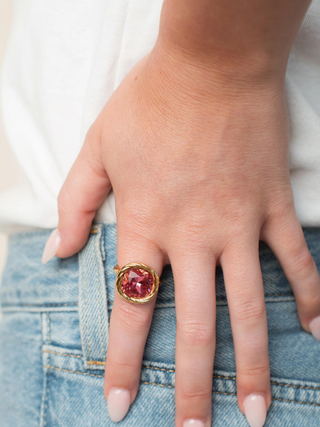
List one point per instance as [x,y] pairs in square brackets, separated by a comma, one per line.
[199,169]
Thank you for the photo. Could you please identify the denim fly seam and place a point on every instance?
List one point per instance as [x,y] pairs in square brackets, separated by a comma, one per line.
[93,311]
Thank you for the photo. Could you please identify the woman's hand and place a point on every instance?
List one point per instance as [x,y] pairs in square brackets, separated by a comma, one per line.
[199,169]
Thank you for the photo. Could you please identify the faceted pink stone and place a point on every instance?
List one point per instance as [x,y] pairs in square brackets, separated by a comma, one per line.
[137,283]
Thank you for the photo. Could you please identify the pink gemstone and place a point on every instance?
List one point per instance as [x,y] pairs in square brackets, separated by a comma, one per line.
[137,283]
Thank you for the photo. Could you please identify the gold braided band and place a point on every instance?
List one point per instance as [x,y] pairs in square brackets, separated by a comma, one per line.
[137,283]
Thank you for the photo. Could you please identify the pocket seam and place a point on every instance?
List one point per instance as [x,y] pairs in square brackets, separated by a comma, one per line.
[222,377]
[169,386]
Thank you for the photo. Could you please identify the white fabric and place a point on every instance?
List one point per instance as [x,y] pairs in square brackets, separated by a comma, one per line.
[65,59]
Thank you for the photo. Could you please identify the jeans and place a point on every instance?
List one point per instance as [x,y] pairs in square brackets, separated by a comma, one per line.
[54,338]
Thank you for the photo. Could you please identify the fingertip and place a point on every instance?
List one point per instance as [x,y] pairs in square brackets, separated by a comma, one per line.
[193,423]
[118,403]
[255,409]
[51,247]
[74,233]
[315,328]
[64,244]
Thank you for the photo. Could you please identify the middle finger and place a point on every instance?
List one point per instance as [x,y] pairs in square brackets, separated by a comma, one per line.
[195,341]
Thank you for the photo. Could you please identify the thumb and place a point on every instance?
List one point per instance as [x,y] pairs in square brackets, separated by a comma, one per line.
[84,190]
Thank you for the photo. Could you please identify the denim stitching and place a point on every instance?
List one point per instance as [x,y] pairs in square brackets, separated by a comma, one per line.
[288,294]
[221,377]
[295,386]
[171,386]
[46,405]
[71,372]
[285,294]
[86,314]
[99,299]
[47,375]
[225,393]
[158,301]
[295,401]
[61,354]
[159,369]
[158,384]
[234,379]
[38,306]
[95,362]
[48,329]
[213,376]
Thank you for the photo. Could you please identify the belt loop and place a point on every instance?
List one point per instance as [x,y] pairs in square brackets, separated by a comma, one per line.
[93,308]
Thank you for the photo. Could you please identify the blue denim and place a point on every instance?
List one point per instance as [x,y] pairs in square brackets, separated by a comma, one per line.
[54,338]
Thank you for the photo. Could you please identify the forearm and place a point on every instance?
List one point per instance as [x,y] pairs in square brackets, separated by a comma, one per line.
[254,35]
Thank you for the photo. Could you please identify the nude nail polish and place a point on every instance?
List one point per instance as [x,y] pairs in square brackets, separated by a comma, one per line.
[315,327]
[255,409]
[193,423]
[118,403]
[51,247]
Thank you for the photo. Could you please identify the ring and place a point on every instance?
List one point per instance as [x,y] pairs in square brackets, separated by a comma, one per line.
[136,282]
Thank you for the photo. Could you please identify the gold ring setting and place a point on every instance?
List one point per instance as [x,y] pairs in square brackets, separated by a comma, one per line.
[137,283]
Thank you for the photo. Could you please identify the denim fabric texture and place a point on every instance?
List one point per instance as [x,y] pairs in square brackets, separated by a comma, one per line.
[54,339]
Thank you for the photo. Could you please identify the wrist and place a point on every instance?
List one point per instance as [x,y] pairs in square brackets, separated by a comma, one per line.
[208,80]
[239,41]
[247,66]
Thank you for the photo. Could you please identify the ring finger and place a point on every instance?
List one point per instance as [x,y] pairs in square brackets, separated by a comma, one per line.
[129,327]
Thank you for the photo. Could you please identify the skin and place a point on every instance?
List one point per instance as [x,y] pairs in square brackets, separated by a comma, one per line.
[194,143]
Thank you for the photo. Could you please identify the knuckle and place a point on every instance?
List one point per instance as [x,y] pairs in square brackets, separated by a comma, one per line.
[309,299]
[196,334]
[123,366]
[63,199]
[249,311]
[92,138]
[132,318]
[66,201]
[280,202]
[194,394]
[302,261]
[91,133]
[314,296]
[280,208]
[240,227]
[255,371]
[240,231]
[194,235]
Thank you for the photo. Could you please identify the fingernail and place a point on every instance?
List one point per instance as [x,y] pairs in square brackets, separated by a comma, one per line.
[51,247]
[255,409]
[118,403]
[193,423]
[315,327]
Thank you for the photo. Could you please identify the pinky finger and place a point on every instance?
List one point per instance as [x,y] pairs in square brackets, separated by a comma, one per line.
[286,239]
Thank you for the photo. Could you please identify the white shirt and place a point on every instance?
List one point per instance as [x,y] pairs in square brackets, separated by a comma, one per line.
[64,60]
